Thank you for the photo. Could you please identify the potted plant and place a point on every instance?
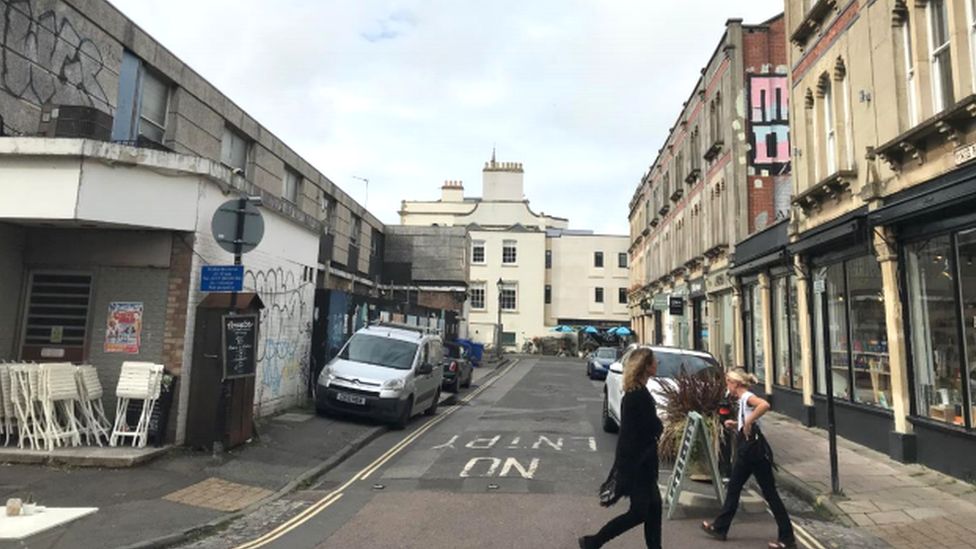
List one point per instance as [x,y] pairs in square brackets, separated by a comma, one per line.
[702,392]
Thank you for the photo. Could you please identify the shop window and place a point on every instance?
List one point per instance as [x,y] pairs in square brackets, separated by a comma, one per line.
[781,333]
[753,334]
[726,329]
[837,346]
[869,333]
[796,355]
[936,349]
[967,281]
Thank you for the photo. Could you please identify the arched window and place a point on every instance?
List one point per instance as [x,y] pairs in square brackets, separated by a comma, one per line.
[827,123]
[902,19]
[844,99]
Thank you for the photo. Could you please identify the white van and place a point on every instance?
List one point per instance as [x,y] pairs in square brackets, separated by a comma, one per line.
[387,372]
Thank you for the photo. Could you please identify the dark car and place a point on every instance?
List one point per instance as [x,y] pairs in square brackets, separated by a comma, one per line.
[600,360]
[457,368]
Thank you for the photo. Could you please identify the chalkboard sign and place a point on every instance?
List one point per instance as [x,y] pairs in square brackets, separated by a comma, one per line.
[240,337]
[695,432]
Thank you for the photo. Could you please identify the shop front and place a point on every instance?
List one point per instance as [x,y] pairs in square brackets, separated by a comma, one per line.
[935,229]
[851,363]
[721,306]
[699,315]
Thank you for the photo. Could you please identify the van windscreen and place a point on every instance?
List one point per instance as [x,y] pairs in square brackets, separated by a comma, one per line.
[380,351]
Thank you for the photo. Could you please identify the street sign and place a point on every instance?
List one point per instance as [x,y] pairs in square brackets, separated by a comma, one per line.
[695,432]
[222,278]
[240,337]
[224,225]
[677,306]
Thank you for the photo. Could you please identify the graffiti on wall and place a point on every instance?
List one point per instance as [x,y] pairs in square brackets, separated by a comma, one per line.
[44,59]
[286,332]
[769,138]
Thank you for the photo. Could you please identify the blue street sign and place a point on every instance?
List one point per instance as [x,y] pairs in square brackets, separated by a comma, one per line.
[222,278]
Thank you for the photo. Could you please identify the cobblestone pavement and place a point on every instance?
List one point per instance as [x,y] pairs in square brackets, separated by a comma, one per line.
[905,505]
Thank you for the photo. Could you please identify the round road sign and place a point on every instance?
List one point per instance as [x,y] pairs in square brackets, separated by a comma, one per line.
[224,225]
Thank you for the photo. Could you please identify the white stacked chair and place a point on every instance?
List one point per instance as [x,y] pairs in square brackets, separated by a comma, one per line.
[137,381]
[23,385]
[57,392]
[8,419]
[95,424]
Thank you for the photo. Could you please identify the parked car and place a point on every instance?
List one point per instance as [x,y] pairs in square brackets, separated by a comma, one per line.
[600,360]
[457,368]
[387,372]
[670,362]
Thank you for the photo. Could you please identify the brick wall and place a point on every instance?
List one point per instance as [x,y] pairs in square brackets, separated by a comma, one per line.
[765,45]
[438,300]
[178,294]
[762,212]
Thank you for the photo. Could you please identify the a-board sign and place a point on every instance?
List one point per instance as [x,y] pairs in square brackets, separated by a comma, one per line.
[239,345]
[695,435]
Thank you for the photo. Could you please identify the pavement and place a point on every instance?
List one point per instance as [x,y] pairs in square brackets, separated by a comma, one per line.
[185,493]
[899,505]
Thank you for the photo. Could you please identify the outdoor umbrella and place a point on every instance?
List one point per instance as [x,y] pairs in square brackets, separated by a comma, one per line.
[562,329]
[590,330]
[622,331]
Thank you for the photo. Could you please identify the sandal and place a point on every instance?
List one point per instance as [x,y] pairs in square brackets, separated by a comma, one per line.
[782,544]
[709,529]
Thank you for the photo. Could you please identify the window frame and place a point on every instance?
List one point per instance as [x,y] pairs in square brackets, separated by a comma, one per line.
[291,195]
[148,74]
[229,136]
[476,289]
[598,262]
[513,246]
[508,287]
[623,260]
[829,129]
[548,259]
[547,291]
[475,245]
[910,71]
[599,295]
[939,94]
[622,296]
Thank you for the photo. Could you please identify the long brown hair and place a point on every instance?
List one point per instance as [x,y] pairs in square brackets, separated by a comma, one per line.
[639,366]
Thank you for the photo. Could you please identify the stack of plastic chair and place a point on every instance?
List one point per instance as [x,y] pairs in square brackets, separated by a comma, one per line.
[8,419]
[137,381]
[95,425]
[23,384]
[58,396]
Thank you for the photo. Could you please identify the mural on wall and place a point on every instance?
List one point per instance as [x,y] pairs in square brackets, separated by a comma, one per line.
[769,138]
[286,333]
[45,60]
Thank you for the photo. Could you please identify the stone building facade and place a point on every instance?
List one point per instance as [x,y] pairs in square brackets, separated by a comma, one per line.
[722,175]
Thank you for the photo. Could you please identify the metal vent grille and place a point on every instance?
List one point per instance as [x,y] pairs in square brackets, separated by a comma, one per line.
[57,313]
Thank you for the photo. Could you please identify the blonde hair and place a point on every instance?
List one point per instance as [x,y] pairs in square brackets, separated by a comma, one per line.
[639,365]
[741,377]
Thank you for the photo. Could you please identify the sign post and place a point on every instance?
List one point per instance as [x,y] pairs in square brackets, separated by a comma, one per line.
[695,433]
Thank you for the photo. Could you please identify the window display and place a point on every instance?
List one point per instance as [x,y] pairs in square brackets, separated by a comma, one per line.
[967,280]
[936,349]
[781,333]
[795,347]
[837,347]
[869,334]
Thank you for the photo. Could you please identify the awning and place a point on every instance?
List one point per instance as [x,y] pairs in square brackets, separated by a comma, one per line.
[942,192]
[848,230]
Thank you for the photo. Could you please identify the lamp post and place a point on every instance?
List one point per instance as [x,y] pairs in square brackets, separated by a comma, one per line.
[498,343]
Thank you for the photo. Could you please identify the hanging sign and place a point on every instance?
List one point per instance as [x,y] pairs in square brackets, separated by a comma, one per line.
[240,337]
[123,330]
[660,302]
[695,435]
[677,306]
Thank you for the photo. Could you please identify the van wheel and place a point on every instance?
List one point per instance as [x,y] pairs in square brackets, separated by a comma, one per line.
[402,421]
[433,405]
[609,425]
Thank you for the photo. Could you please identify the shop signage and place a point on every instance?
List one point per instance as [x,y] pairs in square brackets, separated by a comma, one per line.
[240,337]
[695,434]
[123,330]
[660,302]
[819,286]
[677,306]
[965,153]
[222,278]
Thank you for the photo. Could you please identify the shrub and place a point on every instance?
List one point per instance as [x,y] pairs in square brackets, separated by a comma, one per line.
[702,392]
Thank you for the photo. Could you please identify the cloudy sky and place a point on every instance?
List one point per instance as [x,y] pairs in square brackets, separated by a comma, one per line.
[409,93]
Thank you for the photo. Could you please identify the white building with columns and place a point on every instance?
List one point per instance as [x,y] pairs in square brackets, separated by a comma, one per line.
[549,274]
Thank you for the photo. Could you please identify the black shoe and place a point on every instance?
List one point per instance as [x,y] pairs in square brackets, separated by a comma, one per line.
[586,542]
[709,529]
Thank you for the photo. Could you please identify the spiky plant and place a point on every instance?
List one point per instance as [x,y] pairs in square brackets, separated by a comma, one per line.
[701,392]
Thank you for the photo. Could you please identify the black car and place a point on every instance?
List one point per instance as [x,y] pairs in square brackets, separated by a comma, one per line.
[456,367]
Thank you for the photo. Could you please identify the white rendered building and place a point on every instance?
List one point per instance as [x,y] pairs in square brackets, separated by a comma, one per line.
[550,274]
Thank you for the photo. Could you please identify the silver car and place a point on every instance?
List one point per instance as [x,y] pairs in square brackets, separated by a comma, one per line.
[386,372]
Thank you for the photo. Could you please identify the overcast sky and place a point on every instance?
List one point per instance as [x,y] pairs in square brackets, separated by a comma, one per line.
[411,93]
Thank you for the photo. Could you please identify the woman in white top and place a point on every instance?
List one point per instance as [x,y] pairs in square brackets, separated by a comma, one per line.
[753,456]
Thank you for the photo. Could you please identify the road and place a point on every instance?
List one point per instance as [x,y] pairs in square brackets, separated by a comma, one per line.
[515,462]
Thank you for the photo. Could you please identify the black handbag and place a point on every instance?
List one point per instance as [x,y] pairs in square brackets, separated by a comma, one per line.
[608,490]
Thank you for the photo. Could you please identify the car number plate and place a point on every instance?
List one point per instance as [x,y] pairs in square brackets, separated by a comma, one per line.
[351,399]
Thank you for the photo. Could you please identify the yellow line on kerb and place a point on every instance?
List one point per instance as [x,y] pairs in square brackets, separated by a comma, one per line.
[364,473]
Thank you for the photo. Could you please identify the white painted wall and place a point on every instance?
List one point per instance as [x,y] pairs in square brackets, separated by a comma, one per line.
[574,278]
[529,272]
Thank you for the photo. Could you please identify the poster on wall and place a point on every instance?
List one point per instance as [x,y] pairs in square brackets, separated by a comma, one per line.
[123,332]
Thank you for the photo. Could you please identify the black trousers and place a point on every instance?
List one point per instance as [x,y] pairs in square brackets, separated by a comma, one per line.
[645,507]
[753,459]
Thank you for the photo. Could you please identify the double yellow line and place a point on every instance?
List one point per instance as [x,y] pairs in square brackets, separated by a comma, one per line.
[806,538]
[363,474]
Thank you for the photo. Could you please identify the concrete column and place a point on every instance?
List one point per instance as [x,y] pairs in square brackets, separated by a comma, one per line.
[806,330]
[884,244]
[740,352]
[765,300]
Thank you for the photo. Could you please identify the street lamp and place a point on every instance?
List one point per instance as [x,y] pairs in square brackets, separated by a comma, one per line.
[498,344]
[366,181]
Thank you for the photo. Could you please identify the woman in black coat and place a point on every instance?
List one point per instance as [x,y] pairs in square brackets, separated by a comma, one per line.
[635,463]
